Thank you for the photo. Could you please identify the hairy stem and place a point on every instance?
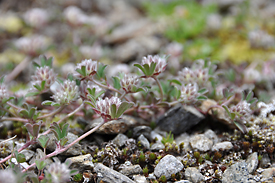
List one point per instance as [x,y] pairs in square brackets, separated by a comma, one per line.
[15,119]
[52,113]
[58,151]
[160,88]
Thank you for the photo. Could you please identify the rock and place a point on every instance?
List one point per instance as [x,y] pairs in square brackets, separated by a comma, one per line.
[185,138]
[143,142]
[157,146]
[201,142]
[183,181]
[72,151]
[120,139]
[265,161]
[82,162]
[23,165]
[140,179]
[108,175]
[28,154]
[167,166]
[137,47]
[6,148]
[114,126]
[155,136]
[211,135]
[145,130]
[237,172]
[268,173]
[193,175]
[222,146]
[179,119]
[252,162]
[131,170]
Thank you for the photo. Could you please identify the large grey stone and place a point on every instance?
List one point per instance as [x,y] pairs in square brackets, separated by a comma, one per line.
[221,146]
[167,166]
[252,162]
[193,175]
[120,139]
[108,175]
[82,162]
[201,142]
[237,172]
[179,119]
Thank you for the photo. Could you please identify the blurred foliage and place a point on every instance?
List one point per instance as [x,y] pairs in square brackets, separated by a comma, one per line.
[186,23]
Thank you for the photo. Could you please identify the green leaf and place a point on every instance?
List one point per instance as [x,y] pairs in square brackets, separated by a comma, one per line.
[100,70]
[2,79]
[55,104]
[47,102]
[79,71]
[37,87]
[92,104]
[20,158]
[24,113]
[142,89]
[44,141]
[202,98]
[203,91]
[40,164]
[241,126]
[65,130]
[141,68]
[49,62]
[63,141]
[163,104]
[84,71]
[122,108]
[36,129]
[175,81]
[99,94]
[43,85]
[32,94]
[56,130]
[42,59]
[116,83]
[35,64]
[152,68]
[32,112]
[146,69]
[227,110]
[113,111]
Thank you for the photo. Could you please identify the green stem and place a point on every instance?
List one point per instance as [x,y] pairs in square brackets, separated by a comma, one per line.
[160,88]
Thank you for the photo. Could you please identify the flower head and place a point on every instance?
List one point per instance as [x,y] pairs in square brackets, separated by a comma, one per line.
[129,83]
[7,176]
[58,172]
[85,85]
[103,107]
[44,74]
[3,93]
[161,63]
[67,93]
[189,93]
[36,17]
[90,68]
[242,109]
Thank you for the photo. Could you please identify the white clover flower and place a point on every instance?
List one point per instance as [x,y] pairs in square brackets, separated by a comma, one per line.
[189,93]
[103,106]
[66,93]
[161,63]
[44,74]
[90,68]
[59,172]
[84,88]
[242,109]
[32,45]
[7,176]
[36,17]
[4,94]
[187,75]
[129,83]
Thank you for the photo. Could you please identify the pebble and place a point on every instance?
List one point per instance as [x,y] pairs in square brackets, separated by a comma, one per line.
[157,146]
[82,162]
[28,154]
[211,135]
[108,175]
[201,142]
[268,173]
[265,161]
[193,175]
[120,139]
[179,119]
[140,179]
[252,162]
[167,166]
[185,138]
[143,142]
[131,170]
[156,136]
[222,146]
[237,172]
[145,130]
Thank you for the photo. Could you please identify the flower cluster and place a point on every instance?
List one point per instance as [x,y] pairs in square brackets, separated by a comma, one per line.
[58,172]
[36,17]
[189,93]
[197,74]
[103,107]
[4,94]
[44,74]
[90,69]
[129,83]
[85,85]
[260,39]
[242,109]
[67,93]
[161,63]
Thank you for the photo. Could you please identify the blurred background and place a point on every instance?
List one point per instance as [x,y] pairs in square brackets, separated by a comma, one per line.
[123,31]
